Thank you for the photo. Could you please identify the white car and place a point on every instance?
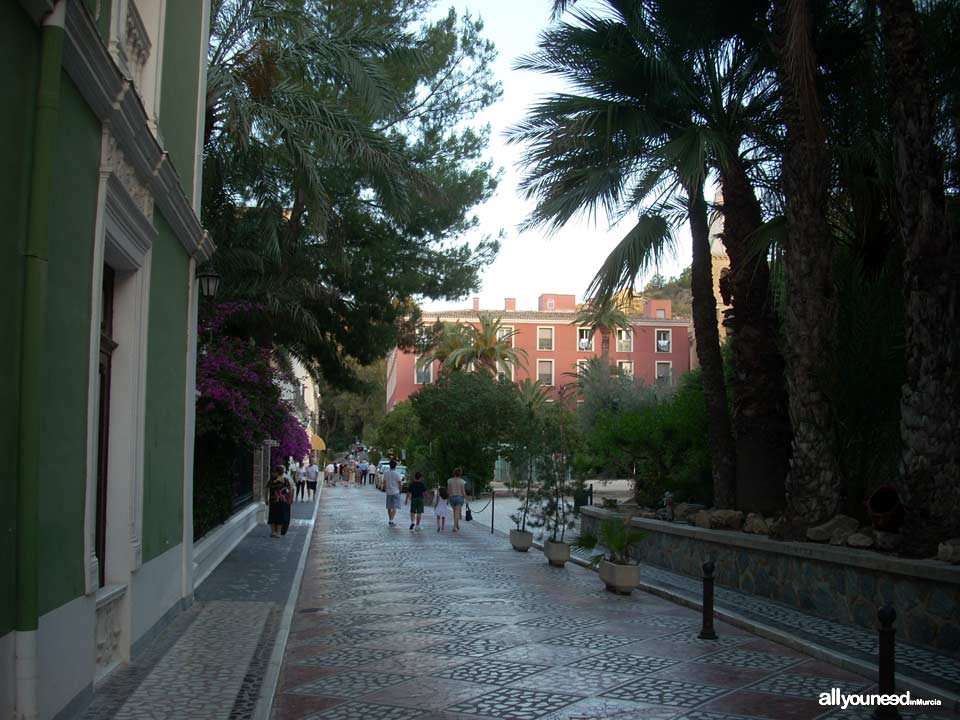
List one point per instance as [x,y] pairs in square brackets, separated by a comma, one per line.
[383,467]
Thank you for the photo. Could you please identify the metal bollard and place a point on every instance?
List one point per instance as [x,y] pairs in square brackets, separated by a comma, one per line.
[590,494]
[707,632]
[886,663]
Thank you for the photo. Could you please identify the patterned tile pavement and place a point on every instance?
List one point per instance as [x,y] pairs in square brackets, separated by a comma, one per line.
[467,629]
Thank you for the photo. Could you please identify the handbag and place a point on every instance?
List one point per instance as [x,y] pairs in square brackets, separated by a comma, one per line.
[468,516]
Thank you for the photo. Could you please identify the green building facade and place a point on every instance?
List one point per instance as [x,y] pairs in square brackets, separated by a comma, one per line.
[101,126]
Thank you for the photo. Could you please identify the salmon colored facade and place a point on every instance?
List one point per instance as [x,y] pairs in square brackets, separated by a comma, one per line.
[656,351]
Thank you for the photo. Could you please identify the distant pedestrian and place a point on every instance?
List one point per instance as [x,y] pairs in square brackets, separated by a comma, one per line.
[363,467]
[330,474]
[440,508]
[457,490]
[341,470]
[392,481]
[313,476]
[415,493]
[300,479]
[279,497]
[352,473]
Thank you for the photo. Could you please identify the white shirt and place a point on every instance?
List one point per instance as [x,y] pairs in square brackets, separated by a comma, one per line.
[330,468]
[391,482]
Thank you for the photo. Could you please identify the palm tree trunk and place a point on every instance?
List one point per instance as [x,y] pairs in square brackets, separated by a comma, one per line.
[930,401]
[813,486]
[760,420]
[605,346]
[722,452]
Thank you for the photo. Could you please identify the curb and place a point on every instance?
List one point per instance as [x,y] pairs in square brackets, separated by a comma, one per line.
[271,677]
[950,700]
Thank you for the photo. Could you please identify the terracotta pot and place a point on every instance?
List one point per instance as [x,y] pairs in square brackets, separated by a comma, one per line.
[557,552]
[521,540]
[619,578]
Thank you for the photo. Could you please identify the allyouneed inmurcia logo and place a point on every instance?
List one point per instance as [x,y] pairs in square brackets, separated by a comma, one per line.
[843,701]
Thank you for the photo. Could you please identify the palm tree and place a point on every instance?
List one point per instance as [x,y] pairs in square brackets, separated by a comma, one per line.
[636,130]
[603,316]
[447,340]
[930,419]
[488,347]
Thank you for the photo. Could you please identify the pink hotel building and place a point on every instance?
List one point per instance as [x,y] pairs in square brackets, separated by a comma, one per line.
[656,349]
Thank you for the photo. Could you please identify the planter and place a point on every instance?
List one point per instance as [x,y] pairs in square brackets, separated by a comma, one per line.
[521,540]
[886,511]
[619,578]
[557,552]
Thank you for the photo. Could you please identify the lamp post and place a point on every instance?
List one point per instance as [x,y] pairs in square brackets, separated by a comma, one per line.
[209,280]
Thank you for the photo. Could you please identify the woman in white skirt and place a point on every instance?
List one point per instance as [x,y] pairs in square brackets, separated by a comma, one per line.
[440,507]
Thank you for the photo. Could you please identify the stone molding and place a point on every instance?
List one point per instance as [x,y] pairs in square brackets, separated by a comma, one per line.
[926,569]
[112,98]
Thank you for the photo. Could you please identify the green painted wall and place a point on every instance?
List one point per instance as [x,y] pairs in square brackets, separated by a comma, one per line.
[178,94]
[66,360]
[166,387]
[19,55]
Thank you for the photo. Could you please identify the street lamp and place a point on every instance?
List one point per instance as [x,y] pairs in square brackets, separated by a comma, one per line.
[209,280]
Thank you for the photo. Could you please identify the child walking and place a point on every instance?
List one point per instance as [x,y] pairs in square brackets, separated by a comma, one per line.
[415,492]
[440,508]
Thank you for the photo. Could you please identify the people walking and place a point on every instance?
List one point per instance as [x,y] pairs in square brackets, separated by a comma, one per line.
[415,493]
[279,497]
[330,474]
[457,491]
[440,508]
[363,467]
[392,481]
[352,473]
[313,475]
[300,480]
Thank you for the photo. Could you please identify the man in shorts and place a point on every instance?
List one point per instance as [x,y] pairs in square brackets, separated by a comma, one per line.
[313,475]
[392,481]
[415,493]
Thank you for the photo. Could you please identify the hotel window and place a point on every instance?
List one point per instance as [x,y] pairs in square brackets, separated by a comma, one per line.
[661,314]
[663,341]
[664,373]
[544,338]
[624,340]
[504,371]
[626,367]
[551,304]
[424,375]
[545,372]
[582,367]
[504,334]
[585,339]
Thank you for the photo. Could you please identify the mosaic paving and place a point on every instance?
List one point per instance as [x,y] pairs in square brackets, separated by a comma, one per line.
[349,684]
[666,692]
[622,663]
[495,672]
[750,659]
[515,704]
[368,711]
[561,622]
[477,647]
[805,686]
[348,657]
[591,641]
[460,627]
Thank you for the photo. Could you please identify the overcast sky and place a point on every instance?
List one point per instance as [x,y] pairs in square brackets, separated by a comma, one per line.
[530,263]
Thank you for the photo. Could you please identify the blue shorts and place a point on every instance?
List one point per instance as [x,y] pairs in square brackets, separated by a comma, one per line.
[394,502]
[456,500]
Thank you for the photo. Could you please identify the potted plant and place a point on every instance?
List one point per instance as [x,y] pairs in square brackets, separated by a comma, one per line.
[554,512]
[520,538]
[615,566]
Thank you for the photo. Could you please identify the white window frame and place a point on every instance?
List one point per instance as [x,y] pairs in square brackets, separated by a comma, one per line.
[581,365]
[656,377]
[552,370]
[506,369]
[553,338]
[508,328]
[592,337]
[661,314]
[616,338]
[622,363]
[551,304]
[656,342]
[417,369]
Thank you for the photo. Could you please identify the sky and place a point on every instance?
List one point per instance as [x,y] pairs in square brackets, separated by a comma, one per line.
[531,262]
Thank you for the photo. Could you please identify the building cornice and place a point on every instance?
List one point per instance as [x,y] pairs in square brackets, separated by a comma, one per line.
[116,103]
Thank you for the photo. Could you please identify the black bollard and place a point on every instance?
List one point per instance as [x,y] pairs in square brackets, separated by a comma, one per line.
[590,493]
[707,632]
[886,663]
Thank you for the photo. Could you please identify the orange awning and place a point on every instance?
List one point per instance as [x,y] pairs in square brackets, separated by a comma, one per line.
[317,443]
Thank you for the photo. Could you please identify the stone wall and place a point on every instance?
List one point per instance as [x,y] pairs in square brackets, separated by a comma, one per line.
[834,583]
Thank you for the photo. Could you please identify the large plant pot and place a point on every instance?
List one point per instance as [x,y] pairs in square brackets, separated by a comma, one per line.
[521,540]
[557,552]
[619,578]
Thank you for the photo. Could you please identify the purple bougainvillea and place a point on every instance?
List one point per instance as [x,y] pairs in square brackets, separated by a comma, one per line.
[239,397]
